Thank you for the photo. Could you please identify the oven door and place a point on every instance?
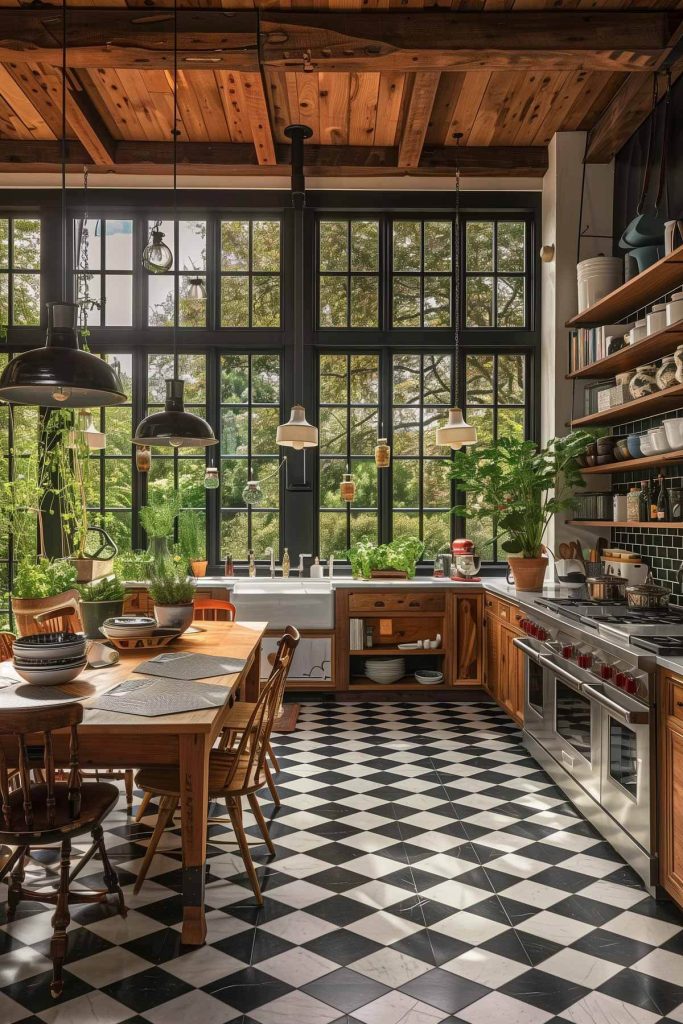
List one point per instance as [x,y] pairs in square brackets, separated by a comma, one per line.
[625,774]
[574,734]
[536,691]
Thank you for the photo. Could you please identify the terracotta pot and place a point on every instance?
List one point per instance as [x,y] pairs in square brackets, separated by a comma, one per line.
[198,567]
[174,616]
[529,573]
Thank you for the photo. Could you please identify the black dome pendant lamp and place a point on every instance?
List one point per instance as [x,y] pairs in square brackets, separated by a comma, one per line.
[60,375]
[174,427]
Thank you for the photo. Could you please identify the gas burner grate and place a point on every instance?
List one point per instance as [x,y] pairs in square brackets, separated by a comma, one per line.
[660,644]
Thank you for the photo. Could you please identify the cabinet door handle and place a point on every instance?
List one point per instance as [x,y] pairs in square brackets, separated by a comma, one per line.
[379,604]
[679,704]
[414,604]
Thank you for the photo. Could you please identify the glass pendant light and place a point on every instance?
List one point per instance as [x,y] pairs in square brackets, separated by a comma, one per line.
[456,432]
[297,432]
[60,375]
[95,439]
[156,256]
[382,453]
[174,427]
[211,479]
[347,488]
[252,493]
[196,292]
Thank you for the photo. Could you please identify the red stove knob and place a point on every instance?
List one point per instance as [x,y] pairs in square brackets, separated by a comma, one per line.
[585,660]
[630,685]
[533,629]
[620,680]
[606,671]
[542,634]
[568,651]
[524,625]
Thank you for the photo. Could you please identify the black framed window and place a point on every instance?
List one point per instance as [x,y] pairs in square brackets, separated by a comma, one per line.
[111,470]
[168,294]
[19,272]
[422,272]
[104,272]
[496,274]
[349,422]
[250,272]
[348,272]
[250,410]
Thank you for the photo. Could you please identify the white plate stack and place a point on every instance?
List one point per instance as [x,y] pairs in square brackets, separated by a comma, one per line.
[385,670]
[49,658]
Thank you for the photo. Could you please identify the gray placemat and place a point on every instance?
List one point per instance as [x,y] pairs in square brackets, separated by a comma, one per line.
[187,666]
[154,697]
[27,695]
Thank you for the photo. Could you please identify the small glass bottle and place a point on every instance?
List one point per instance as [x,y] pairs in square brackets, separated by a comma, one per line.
[382,453]
[229,565]
[347,488]
[663,503]
[252,562]
[438,567]
[286,564]
[633,504]
[644,506]
[211,479]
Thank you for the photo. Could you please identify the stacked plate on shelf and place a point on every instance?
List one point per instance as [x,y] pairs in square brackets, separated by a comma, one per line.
[49,658]
[385,670]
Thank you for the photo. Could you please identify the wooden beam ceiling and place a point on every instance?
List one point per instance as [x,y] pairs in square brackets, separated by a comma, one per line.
[324,161]
[626,40]
[420,105]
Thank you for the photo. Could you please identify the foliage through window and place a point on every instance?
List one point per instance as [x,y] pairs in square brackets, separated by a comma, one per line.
[250,273]
[104,272]
[349,424]
[19,272]
[422,264]
[168,295]
[111,476]
[250,413]
[348,279]
[495,273]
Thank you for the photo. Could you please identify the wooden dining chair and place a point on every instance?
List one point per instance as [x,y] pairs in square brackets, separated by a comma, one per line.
[6,640]
[233,774]
[213,609]
[49,812]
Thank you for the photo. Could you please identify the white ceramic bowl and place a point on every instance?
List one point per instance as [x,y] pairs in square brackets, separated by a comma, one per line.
[674,431]
[658,439]
[50,676]
[124,626]
[42,645]
[428,676]
[73,659]
[646,445]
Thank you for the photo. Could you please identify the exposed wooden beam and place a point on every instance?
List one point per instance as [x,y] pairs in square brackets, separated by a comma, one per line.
[416,121]
[234,158]
[626,40]
[134,38]
[259,117]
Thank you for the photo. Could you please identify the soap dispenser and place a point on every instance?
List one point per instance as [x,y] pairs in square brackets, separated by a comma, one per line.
[316,569]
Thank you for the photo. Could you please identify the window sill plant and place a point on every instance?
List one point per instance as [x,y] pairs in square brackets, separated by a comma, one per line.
[173,596]
[158,521]
[517,488]
[99,601]
[401,555]
[192,542]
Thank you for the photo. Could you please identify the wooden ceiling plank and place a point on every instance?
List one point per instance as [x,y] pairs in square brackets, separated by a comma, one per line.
[424,86]
[233,102]
[209,104]
[309,103]
[467,105]
[447,94]
[113,94]
[363,98]
[278,101]
[495,102]
[467,40]
[334,89]
[389,100]
[151,120]
[259,117]
[19,103]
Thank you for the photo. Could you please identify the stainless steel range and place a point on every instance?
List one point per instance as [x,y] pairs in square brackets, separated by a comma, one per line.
[589,720]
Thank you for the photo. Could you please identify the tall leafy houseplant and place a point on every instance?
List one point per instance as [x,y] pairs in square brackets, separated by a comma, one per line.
[519,487]
[158,521]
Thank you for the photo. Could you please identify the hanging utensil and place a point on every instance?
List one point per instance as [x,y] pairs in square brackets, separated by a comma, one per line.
[647,229]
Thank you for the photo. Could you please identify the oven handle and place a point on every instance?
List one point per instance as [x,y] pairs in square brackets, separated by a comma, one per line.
[527,649]
[617,710]
[567,677]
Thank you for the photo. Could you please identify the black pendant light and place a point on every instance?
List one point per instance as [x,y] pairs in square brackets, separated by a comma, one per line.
[174,427]
[60,375]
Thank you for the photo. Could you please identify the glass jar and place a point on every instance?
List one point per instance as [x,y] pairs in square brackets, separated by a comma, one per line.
[143,459]
[438,567]
[382,453]
[633,505]
[347,488]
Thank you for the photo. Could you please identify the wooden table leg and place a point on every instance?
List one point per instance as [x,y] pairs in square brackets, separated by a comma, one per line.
[252,684]
[194,809]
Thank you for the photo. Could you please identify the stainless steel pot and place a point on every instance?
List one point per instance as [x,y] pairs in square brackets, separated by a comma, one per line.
[605,588]
[647,596]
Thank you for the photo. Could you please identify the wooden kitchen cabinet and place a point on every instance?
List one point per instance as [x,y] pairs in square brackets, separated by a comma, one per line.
[504,664]
[670,783]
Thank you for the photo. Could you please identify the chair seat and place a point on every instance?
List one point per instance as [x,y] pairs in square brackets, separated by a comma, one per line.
[166,781]
[97,800]
[240,715]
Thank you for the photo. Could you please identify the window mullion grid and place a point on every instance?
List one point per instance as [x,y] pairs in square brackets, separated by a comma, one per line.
[347,510]
[250,290]
[103,277]
[348,279]
[10,271]
[420,461]
[250,508]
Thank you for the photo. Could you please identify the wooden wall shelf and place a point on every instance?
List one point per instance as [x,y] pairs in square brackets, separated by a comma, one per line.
[660,344]
[663,276]
[639,408]
[629,465]
[602,523]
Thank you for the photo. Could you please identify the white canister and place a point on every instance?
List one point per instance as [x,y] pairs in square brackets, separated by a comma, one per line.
[656,318]
[619,508]
[637,332]
[674,309]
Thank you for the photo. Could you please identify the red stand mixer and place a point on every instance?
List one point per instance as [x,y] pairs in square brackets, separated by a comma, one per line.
[465,563]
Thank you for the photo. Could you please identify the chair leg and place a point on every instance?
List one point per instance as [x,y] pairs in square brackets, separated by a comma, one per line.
[60,921]
[235,812]
[128,783]
[271,785]
[15,885]
[144,804]
[261,821]
[273,760]
[111,879]
[167,809]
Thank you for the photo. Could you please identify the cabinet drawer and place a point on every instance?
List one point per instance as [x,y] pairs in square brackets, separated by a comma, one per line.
[677,701]
[401,602]
[491,604]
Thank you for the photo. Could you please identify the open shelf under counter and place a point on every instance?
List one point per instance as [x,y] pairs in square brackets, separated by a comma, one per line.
[638,409]
[406,683]
[406,652]
[634,524]
[629,465]
[653,347]
[663,276]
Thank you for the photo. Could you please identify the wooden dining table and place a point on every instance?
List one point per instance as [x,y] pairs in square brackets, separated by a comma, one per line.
[109,739]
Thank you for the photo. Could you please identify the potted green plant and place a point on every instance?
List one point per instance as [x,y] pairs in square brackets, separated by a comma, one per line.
[100,600]
[173,596]
[158,520]
[133,566]
[518,487]
[400,556]
[42,587]
[192,542]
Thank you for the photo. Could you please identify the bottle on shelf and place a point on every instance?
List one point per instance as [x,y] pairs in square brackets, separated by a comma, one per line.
[632,504]
[654,498]
[286,564]
[663,502]
[644,506]
[252,562]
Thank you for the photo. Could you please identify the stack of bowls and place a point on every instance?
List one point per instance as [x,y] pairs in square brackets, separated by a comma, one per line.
[126,627]
[49,658]
[385,670]
[605,450]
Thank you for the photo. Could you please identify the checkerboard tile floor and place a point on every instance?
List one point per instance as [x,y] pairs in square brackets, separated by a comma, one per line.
[427,872]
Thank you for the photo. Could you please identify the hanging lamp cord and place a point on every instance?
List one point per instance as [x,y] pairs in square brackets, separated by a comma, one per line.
[65,272]
[176,233]
[456,292]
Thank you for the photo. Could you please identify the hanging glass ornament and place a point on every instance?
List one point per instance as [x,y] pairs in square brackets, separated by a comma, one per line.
[347,488]
[382,453]
[252,493]
[156,256]
[196,291]
[211,480]
[143,459]
[95,439]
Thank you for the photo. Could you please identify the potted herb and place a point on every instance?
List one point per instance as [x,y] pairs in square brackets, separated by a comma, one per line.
[173,596]
[399,556]
[133,566]
[43,587]
[517,488]
[99,601]
[158,520]
[192,542]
